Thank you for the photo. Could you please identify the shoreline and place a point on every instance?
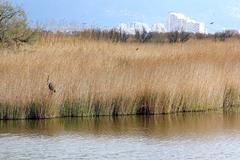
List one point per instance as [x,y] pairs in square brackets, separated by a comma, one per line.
[219,110]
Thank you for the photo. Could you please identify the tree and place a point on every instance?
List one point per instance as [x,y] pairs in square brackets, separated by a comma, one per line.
[173,37]
[220,36]
[184,36]
[142,36]
[13,25]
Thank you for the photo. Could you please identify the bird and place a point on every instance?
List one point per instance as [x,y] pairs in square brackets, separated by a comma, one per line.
[212,23]
[50,85]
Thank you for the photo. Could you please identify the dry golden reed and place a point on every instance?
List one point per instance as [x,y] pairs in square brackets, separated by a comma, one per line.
[94,78]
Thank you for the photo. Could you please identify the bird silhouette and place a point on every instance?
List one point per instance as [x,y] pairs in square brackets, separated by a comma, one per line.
[51,86]
[212,23]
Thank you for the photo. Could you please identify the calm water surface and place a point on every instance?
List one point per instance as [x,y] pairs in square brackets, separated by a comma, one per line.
[182,136]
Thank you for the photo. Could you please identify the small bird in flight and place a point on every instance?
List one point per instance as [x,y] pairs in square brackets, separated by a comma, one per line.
[212,23]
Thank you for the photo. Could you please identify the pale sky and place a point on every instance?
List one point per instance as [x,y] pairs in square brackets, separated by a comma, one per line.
[225,13]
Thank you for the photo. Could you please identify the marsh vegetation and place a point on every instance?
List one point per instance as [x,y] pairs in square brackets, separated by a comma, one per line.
[94,78]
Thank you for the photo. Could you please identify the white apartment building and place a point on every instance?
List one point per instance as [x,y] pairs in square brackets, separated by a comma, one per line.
[179,22]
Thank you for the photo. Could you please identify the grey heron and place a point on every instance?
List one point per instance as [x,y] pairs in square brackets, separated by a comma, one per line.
[51,86]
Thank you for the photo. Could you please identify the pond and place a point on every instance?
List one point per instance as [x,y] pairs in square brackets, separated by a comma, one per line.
[214,135]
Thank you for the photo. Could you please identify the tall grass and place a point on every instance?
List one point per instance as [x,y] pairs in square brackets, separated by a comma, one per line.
[95,78]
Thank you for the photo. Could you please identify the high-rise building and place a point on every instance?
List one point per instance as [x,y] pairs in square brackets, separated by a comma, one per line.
[179,22]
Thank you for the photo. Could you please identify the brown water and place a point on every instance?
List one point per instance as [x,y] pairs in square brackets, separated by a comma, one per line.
[182,136]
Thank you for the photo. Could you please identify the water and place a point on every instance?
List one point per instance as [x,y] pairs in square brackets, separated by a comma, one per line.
[182,136]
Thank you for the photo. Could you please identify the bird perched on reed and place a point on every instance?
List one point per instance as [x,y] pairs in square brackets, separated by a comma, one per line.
[51,87]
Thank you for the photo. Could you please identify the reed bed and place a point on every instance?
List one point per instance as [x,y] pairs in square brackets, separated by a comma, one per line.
[95,78]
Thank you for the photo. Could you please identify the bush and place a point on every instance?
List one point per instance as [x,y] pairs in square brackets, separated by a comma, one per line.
[142,36]
[221,36]
[200,36]
[13,25]
[172,37]
[184,36]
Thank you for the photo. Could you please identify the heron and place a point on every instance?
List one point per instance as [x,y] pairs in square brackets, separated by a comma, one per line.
[50,85]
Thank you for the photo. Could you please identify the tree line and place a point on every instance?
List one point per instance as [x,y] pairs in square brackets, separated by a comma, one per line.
[142,36]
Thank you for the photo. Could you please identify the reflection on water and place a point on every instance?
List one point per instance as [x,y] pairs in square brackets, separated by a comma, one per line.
[153,126]
[178,136]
